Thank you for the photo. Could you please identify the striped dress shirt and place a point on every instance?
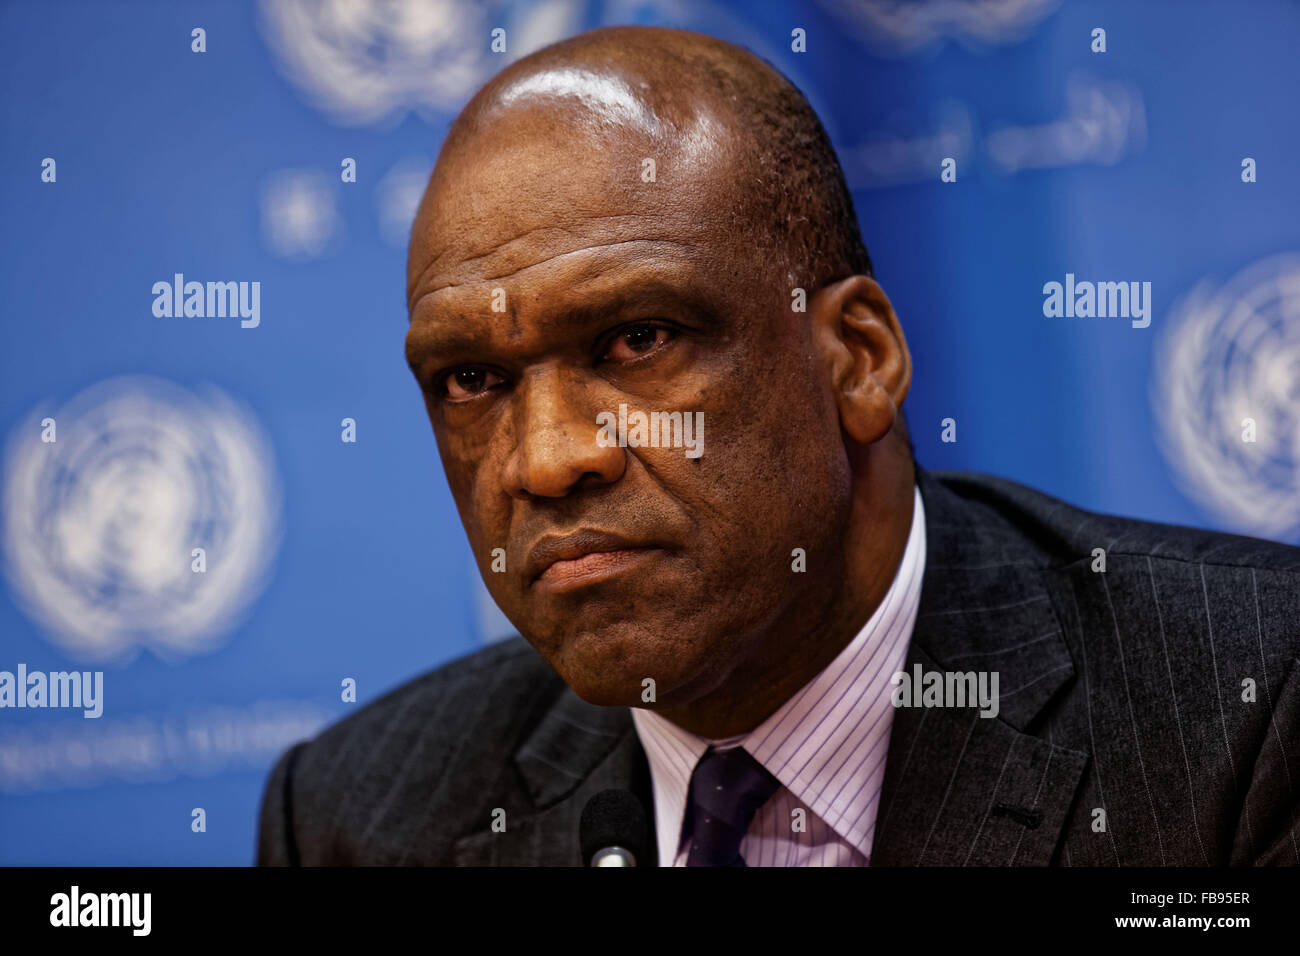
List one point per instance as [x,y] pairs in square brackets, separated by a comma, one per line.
[826,745]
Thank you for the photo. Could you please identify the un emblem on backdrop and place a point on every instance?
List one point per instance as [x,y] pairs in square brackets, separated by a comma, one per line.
[361,60]
[1226,396]
[103,525]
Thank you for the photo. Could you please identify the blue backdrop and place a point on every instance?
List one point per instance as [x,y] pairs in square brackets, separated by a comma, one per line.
[182,512]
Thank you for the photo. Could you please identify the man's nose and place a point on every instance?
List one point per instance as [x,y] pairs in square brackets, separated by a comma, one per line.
[555,444]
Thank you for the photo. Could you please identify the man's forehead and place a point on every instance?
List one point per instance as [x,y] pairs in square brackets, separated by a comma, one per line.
[522,191]
[566,254]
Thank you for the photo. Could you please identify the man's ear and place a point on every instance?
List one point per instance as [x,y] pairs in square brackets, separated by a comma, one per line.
[862,348]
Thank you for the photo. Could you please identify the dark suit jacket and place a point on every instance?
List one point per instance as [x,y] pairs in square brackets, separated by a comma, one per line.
[1123,693]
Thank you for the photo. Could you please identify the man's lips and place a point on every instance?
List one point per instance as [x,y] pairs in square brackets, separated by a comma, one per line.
[583,557]
[591,567]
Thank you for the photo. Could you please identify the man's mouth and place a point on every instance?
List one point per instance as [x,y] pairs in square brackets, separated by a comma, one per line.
[584,557]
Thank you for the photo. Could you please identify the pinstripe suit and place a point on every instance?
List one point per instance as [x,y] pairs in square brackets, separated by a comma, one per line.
[1127,733]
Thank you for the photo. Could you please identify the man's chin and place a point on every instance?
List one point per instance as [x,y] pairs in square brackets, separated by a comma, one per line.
[608,671]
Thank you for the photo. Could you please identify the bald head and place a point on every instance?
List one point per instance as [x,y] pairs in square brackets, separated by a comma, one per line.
[697,107]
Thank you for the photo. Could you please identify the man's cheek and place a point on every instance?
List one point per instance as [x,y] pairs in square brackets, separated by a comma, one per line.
[483,508]
[465,443]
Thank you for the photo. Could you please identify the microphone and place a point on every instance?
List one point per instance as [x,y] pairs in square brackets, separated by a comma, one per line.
[613,829]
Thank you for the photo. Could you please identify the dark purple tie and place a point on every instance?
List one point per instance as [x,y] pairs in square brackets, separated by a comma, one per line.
[727,788]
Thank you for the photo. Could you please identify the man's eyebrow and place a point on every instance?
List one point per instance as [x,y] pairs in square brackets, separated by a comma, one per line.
[446,331]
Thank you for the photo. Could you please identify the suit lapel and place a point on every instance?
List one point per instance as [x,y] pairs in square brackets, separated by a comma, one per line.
[961,789]
[576,750]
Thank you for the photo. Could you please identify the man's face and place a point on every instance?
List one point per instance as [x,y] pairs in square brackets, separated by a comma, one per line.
[621,292]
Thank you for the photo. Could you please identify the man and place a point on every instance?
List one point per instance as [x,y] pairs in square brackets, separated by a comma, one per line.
[795,646]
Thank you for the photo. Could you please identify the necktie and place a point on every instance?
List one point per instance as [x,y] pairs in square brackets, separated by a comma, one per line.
[727,788]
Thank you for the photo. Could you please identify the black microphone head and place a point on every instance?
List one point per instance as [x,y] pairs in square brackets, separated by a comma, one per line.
[614,818]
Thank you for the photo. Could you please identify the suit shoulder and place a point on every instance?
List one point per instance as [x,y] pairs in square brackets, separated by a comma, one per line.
[1064,533]
[467,710]
[440,703]
[357,791]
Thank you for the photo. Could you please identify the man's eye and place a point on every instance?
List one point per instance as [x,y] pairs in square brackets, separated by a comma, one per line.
[637,341]
[465,383]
